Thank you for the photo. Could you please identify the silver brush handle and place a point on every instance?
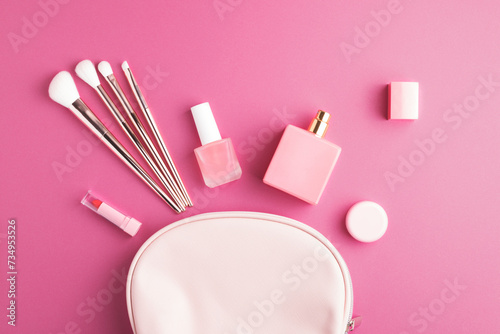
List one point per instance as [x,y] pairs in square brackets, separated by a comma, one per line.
[154,128]
[171,185]
[83,112]
[132,136]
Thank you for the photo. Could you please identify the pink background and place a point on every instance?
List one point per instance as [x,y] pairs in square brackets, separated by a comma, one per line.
[262,65]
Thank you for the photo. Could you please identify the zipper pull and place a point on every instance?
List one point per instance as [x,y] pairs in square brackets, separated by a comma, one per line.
[353,323]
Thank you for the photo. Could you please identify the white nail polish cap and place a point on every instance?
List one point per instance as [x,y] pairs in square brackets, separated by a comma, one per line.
[205,123]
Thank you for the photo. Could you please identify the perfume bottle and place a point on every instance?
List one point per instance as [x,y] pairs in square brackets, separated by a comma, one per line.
[304,160]
[216,157]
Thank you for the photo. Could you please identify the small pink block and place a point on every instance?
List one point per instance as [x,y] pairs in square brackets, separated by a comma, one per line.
[403,100]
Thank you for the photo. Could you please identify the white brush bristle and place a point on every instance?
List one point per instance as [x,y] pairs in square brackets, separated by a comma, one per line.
[105,68]
[86,71]
[62,89]
[125,66]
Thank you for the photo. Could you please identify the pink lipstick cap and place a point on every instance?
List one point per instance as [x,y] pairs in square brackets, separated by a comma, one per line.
[403,101]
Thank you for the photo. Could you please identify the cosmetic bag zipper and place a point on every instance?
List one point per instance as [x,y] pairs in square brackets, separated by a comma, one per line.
[352,323]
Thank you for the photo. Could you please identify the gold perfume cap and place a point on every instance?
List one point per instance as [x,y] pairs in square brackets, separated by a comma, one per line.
[319,124]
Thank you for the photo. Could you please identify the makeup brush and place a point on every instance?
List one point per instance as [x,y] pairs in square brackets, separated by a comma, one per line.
[62,89]
[154,128]
[105,68]
[87,72]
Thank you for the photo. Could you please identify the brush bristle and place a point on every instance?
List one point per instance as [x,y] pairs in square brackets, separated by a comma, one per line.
[105,68]
[125,66]
[62,89]
[86,71]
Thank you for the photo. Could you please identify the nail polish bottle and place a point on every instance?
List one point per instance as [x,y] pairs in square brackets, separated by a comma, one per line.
[216,157]
[304,160]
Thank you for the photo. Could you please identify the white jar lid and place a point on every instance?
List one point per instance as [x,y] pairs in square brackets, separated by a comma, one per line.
[366,221]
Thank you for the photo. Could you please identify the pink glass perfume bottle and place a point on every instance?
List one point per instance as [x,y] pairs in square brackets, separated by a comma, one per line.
[216,156]
[304,160]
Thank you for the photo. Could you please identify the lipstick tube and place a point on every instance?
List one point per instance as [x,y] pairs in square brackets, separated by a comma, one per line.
[124,222]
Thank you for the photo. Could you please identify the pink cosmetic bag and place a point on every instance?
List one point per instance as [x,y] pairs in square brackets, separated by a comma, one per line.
[239,273]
